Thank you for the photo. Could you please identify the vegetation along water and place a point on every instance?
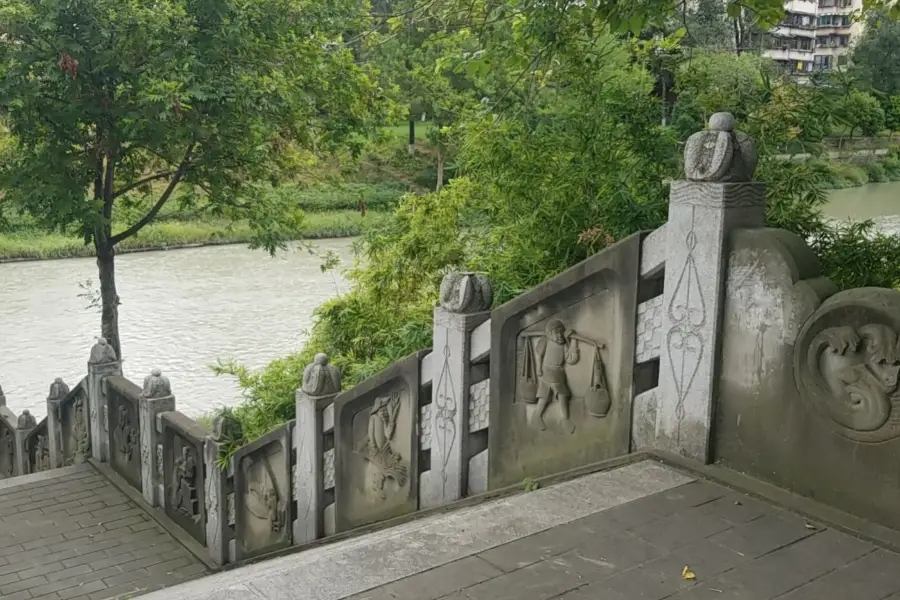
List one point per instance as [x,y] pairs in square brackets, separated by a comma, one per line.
[552,128]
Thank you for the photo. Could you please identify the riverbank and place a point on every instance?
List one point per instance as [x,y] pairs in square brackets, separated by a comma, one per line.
[169,235]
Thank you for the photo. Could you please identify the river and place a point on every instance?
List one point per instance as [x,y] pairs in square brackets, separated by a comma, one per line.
[181,310]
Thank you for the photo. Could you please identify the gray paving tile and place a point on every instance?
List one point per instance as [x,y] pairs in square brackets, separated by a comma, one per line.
[872,577]
[682,528]
[436,583]
[663,504]
[782,570]
[737,508]
[763,535]
[540,581]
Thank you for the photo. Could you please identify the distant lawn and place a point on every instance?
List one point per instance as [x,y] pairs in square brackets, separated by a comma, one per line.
[172,234]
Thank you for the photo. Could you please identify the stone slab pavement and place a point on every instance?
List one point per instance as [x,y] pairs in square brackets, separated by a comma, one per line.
[626,534]
[71,534]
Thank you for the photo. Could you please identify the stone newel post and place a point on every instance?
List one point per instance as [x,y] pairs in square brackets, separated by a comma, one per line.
[2,397]
[25,424]
[321,383]
[717,198]
[156,398]
[58,392]
[103,363]
[225,430]
[465,300]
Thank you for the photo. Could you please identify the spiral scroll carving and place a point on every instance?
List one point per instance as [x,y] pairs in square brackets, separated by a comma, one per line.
[847,364]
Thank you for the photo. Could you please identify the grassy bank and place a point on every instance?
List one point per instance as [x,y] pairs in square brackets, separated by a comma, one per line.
[842,175]
[32,245]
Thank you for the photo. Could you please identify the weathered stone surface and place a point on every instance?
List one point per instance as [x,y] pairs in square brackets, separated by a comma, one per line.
[262,494]
[124,427]
[225,428]
[156,399]
[26,421]
[8,459]
[75,426]
[561,369]
[98,408]
[451,379]
[649,329]
[376,446]
[720,153]
[701,216]
[804,381]
[102,353]
[184,454]
[321,378]
[466,293]
[37,446]
[156,385]
[479,405]
[218,530]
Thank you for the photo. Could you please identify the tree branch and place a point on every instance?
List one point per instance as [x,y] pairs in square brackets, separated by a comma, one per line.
[140,182]
[176,178]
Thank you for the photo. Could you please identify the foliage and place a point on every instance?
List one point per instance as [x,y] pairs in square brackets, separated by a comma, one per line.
[725,82]
[892,113]
[856,255]
[105,97]
[876,56]
[862,111]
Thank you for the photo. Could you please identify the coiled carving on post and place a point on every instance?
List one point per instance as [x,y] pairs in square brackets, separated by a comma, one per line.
[847,366]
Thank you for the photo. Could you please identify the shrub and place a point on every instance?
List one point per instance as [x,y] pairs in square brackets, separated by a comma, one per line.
[854,174]
[876,172]
[892,168]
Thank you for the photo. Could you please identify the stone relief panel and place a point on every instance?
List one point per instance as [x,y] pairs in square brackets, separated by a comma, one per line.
[124,428]
[805,377]
[37,448]
[376,447]
[847,364]
[7,451]
[562,357]
[75,426]
[328,470]
[182,467]
[479,405]
[262,494]
[649,329]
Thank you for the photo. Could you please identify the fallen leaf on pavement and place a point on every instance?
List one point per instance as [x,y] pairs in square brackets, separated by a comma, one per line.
[686,573]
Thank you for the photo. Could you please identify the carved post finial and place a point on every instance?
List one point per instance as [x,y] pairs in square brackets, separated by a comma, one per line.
[321,378]
[720,153]
[466,292]
[102,353]
[156,385]
[58,390]
[225,428]
[26,421]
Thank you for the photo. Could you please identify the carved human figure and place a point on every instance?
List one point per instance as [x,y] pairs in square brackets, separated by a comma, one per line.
[385,462]
[861,368]
[41,455]
[321,378]
[80,435]
[102,353]
[183,488]
[126,434]
[7,453]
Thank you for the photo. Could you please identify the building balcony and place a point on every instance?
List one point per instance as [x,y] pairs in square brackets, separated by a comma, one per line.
[785,31]
[789,54]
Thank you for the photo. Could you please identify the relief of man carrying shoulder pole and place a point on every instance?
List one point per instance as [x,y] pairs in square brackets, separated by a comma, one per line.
[557,347]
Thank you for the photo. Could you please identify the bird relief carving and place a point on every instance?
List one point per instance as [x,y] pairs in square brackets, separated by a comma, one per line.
[543,379]
[384,462]
[262,498]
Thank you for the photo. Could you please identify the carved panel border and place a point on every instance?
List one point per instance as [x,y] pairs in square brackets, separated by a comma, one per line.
[124,427]
[263,497]
[184,475]
[37,448]
[75,426]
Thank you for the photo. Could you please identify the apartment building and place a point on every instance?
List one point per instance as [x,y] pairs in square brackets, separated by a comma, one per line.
[815,35]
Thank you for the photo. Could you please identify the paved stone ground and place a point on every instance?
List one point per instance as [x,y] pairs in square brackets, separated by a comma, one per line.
[737,547]
[625,534]
[76,536]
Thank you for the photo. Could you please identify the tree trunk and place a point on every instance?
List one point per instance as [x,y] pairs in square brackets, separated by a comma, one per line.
[412,134]
[109,298]
[440,169]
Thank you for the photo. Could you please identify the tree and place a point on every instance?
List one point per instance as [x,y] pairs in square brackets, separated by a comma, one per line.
[121,102]
[861,110]
[892,114]
[720,81]
[876,57]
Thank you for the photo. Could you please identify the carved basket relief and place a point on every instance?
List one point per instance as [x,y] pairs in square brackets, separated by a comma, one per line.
[75,428]
[7,451]
[262,481]
[847,364]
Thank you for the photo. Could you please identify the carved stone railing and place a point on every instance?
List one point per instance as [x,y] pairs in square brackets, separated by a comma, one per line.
[183,490]
[124,429]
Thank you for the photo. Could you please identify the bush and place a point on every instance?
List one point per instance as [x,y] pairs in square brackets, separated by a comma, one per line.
[876,172]
[853,174]
[892,168]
